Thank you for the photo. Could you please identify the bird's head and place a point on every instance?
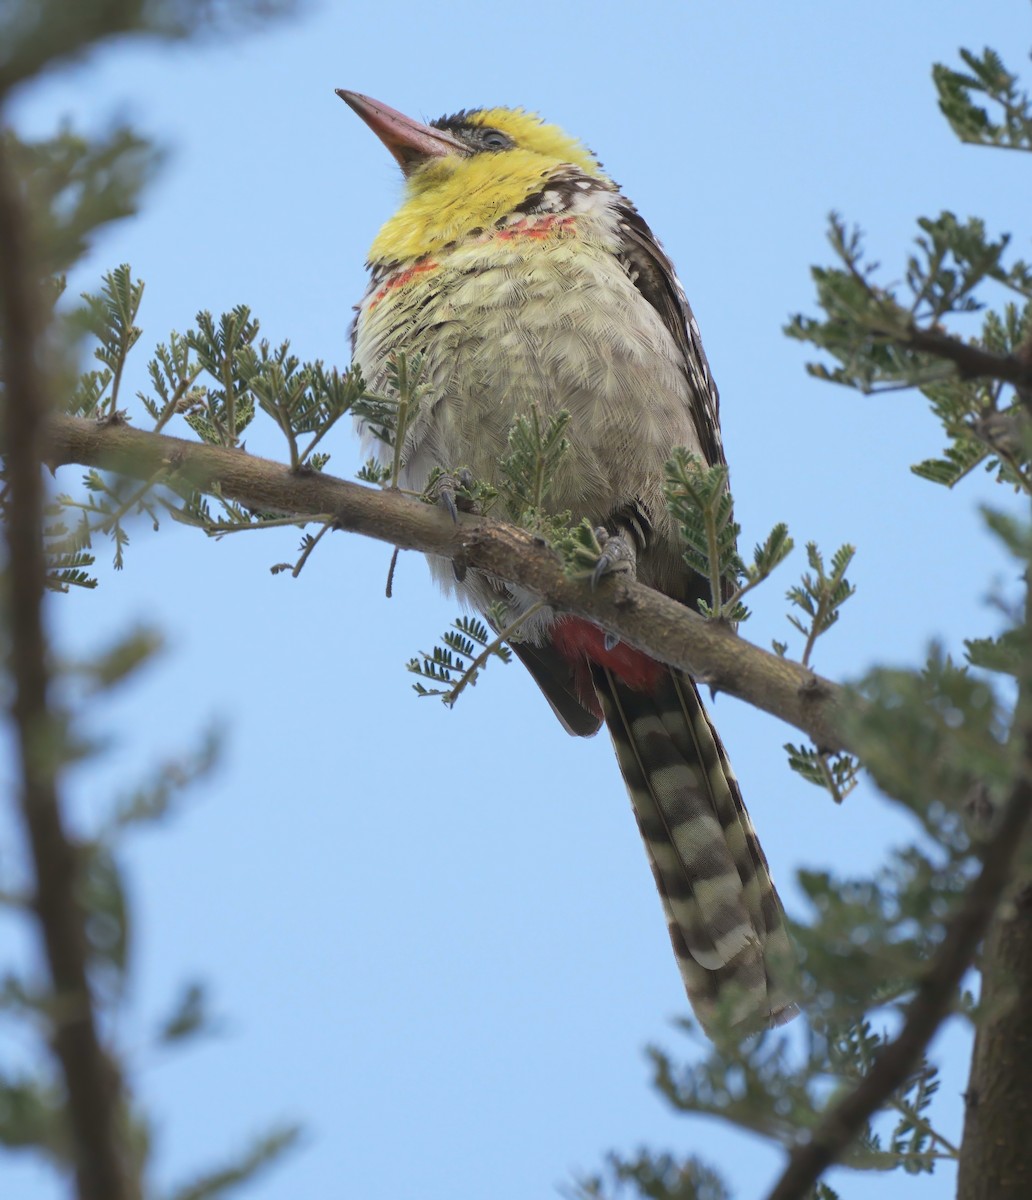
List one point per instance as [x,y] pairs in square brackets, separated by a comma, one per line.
[466,171]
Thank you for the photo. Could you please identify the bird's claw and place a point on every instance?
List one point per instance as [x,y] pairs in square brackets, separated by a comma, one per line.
[446,498]
[451,491]
[618,556]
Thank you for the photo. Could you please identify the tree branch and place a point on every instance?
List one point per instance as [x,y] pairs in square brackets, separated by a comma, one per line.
[972,362]
[996,1155]
[932,1001]
[93,1086]
[711,651]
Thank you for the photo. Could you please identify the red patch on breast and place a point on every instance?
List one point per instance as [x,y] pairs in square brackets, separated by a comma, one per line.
[536,227]
[400,278]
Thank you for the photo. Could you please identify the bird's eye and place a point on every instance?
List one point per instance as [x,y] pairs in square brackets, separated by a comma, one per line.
[494,139]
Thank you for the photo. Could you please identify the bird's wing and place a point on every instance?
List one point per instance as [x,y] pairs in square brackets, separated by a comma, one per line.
[653,274]
[554,676]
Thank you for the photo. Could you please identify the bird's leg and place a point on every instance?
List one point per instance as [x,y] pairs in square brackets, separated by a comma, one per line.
[619,557]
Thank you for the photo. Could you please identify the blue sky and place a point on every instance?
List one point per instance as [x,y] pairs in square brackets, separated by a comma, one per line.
[432,936]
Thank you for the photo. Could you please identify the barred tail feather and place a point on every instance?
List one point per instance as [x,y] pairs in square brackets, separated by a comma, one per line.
[725,920]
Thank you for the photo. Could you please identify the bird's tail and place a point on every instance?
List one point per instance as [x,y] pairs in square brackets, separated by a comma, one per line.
[724,915]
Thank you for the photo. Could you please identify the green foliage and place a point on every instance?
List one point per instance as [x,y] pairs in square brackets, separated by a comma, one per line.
[304,398]
[117,663]
[32,1103]
[836,773]
[173,371]
[940,741]
[261,1153]
[580,549]
[388,415]
[937,740]
[215,377]
[103,897]
[986,77]
[460,489]
[374,472]
[869,937]
[913,1141]
[536,450]
[224,351]
[74,185]
[189,1015]
[70,187]
[954,258]
[68,558]
[985,423]
[996,654]
[30,1116]
[654,1176]
[156,797]
[43,33]
[820,595]
[456,665]
[778,1091]
[110,317]
[882,342]
[102,511]
[767,556]
[701,503]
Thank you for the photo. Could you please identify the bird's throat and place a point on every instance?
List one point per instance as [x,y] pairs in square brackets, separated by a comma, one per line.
[449,199]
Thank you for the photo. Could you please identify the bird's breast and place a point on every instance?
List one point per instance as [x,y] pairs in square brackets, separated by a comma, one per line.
[537,312]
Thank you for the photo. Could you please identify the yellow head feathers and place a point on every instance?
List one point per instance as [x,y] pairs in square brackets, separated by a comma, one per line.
[470,170]
[533,134]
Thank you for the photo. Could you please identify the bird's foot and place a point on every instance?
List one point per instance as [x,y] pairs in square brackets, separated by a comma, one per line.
[453,491]
[618,556]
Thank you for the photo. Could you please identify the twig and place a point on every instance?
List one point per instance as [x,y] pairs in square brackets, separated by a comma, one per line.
[709,650]
[922,1123]
[492,647]
[113,518]
[217,528]
[172,406]
[932,1001]
[91,1079]
[316,538]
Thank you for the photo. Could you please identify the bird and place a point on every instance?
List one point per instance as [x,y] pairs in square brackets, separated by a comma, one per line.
[521,276]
